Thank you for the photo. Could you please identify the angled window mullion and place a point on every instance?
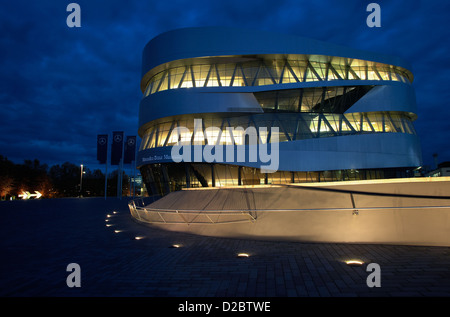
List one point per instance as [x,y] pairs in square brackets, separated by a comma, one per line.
[183,76]
[283,128]
[346,69]
[163,77]
[300,100]
[144,140]
[397,75]
[305,125]
[270,73]
[193,135]
[327,69]
[149,88]
[344,118]
[192,76]
[370,123]
[243,75]
[178,131]
[269,135]
[157,135]
[149,140]
[402,121]
[353,73]
[282,73]
[318,126]
[377,73]
[392,122]
[169,134]
[314,72]
[335,72]
[217,74]
[205,139]
[256,75]
[219,137]
[340,124]
[292,71]
[230,132]
[305,72]
[327,123]
[276,101]
[252,119]
[168,78]
[144,143]
[244,141]
[294,136]
[234,74]
[322,101]
[208,75]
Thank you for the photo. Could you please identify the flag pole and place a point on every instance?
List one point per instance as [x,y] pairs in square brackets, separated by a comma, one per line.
[134,170]
[106,167]
[121,168]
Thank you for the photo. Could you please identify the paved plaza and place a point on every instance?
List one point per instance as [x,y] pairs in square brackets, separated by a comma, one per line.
[40,238]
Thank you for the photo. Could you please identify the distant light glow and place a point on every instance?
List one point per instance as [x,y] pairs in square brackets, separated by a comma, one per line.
[138,237]
[117,231]
[243,255]
[176,245]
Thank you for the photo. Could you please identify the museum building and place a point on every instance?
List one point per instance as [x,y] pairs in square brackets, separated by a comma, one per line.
[328,112]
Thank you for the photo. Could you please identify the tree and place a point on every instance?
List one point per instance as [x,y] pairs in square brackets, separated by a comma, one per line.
[66,179]
[6,186]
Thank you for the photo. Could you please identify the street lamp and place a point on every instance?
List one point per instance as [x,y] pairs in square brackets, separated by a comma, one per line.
[81,179]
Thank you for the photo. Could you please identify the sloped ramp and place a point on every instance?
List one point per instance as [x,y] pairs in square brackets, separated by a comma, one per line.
[395,212]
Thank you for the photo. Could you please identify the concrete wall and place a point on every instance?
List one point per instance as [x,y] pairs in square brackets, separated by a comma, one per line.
[287,212]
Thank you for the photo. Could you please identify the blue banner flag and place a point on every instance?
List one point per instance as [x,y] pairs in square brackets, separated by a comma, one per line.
[102,148]
[117,147]
[130,150]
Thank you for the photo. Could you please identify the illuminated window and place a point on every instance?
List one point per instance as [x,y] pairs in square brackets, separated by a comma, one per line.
[269,71]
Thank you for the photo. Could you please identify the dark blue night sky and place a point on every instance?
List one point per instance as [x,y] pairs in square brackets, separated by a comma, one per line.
[62,86]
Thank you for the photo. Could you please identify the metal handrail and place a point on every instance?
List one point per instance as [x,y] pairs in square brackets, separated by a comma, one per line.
[141,212]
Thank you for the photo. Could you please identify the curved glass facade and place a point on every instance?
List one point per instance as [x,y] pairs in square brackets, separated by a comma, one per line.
[162,179]
[270,70]
[291,127]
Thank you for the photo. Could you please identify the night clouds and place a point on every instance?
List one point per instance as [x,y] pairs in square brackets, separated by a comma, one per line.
[62,86]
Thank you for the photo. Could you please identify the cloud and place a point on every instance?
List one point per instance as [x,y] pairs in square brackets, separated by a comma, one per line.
[62,86]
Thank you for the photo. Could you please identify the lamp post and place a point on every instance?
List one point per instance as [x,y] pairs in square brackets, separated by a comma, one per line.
[81,179]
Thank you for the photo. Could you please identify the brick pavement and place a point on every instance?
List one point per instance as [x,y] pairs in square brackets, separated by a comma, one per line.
[39,239]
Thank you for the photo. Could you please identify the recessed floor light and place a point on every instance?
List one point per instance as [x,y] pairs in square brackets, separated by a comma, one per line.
[117,231]
[354,262]
[175,246]
[243,255]
[138,238]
